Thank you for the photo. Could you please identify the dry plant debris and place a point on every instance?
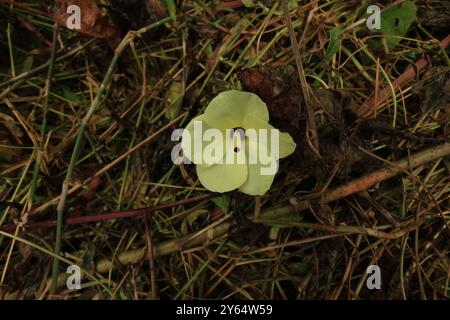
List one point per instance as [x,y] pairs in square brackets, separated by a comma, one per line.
[86,118]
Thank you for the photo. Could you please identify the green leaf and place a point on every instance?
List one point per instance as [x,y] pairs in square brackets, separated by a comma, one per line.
[27,64]
[222,202]
[172,9]
[193,216]
[333,45]
[70,95]
[174,99]
[300,267]
[396,21]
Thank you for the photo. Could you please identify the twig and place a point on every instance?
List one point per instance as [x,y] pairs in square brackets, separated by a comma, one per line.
[377,176]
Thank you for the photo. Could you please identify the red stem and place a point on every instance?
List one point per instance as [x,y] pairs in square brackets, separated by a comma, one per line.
[107,216]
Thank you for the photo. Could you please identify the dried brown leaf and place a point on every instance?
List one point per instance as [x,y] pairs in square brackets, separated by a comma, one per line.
[93,22]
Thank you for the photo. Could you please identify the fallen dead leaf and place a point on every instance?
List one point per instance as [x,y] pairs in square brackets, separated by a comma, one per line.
[93,22]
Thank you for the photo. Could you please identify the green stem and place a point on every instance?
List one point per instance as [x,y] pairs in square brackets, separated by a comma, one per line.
[73,160]
[44,118]
[76,150]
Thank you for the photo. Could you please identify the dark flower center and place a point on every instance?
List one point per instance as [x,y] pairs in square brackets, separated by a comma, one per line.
[241,132]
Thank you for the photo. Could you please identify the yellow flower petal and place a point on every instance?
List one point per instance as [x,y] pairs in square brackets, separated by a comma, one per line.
[198,146]
[260,176]
[227,176]
[222,177]
[286,145]
[229,108]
